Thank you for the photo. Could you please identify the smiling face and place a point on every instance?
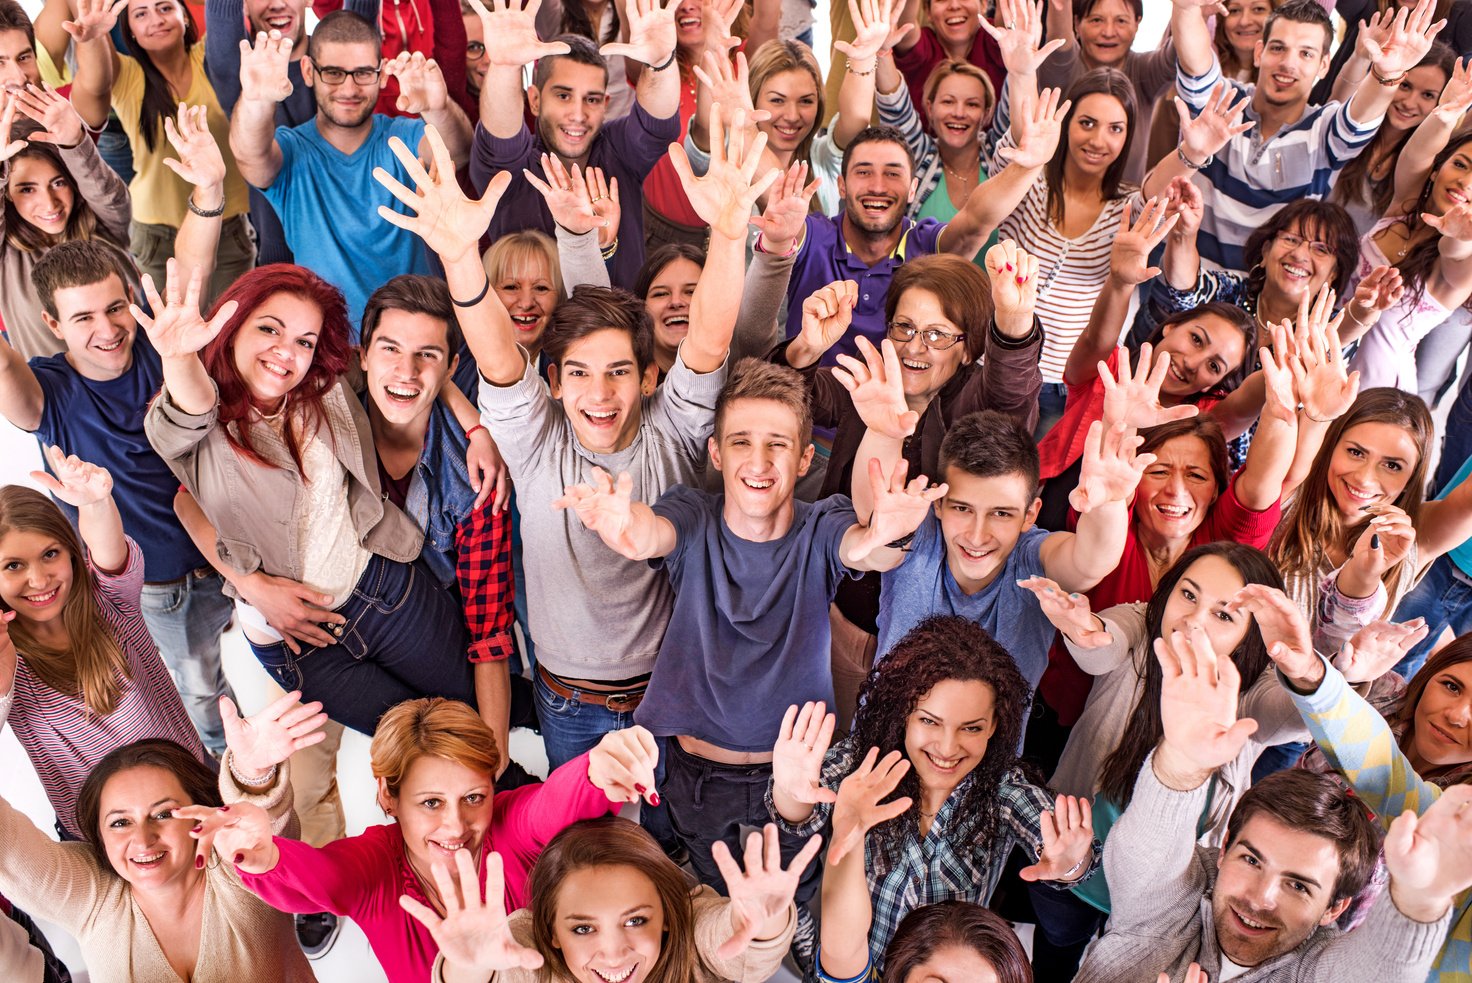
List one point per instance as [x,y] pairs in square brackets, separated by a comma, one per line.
[36,575]
[1243,25]
[1203,350]
[609,924]
[689,26]
[601,389]
[668,304]
[276,15]
[1200,598]
[406,364]
[1290,62]
[1416,96]
[527,290]
[157,24]
[475,63]
[94,323]
[1106,33]
[760,454]
[955,22]
[1298,263]
[957,111]
[953,964]
[348,104]
[1175,492]
[570,108]
[925,370]
[1371,464]
[18,66]
[877,185]
[441,807]
[1442,734]
[792,99]
[1452,183]
[146,845]
[275,345]
[981,520]
[1274,888]
[947,733]
[1097,133]
[42,195]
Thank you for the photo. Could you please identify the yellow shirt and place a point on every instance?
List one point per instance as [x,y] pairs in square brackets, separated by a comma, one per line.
[160,195]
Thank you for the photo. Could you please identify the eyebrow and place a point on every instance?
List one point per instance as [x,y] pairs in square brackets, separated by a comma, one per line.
[753,433]
[932,713]
[1287,873]
[612,365]
[273,317]
[385,339]
[1387,457]
[164,801]
[588,918]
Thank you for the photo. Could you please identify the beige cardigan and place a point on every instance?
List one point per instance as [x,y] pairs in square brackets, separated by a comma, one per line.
[712,928]
[241,937]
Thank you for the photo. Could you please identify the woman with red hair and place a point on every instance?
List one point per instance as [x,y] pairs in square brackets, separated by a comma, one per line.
[258,423]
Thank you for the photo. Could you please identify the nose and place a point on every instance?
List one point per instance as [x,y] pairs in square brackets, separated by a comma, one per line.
[453,819]
[1460,713]
[36,577]
[948,744]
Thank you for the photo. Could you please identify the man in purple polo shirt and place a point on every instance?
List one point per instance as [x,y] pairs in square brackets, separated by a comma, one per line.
[871,237]
[569,100]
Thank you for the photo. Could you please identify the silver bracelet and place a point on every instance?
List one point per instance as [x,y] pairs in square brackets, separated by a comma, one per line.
[1192,164]
[1067,874]
[244,782]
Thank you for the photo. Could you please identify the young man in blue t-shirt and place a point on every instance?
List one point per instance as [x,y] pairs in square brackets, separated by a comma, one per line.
[753,572]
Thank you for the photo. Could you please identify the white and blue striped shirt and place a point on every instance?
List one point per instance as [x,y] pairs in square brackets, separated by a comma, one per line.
[1252,178]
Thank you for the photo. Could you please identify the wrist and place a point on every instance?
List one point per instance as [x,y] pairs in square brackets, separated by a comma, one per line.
[1176,771]
[1191,156]
[1417,906]
[1384,78]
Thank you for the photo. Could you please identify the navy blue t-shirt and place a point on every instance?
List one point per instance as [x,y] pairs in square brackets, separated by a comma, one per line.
[749,633]
[102,422]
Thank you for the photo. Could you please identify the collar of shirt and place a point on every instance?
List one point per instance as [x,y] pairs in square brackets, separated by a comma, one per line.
[844,257]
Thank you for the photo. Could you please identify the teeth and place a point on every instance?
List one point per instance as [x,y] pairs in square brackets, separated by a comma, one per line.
[1356,493]
[975,554]
[275,370]
[616,977]
[43,598]
[149,859]
[1295,271]
[1249,922]
[112,347]
[917,366]
[398,393]
[1176,511]
[681,320]
[759,484]
[602,417]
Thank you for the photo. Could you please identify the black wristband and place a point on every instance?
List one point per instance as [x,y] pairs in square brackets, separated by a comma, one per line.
[666,63]
[477,298]
[996,337]
[903,543]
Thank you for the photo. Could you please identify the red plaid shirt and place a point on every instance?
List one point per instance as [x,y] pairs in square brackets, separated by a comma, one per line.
[483,568]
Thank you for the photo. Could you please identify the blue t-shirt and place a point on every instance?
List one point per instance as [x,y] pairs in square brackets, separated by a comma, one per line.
[923,586]
[328,203]
[102,422]
[749,633]
[1461,555]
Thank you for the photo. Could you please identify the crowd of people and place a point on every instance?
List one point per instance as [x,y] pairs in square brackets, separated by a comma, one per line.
[992,483]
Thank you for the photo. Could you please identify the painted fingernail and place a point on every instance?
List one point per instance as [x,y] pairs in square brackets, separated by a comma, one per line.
[654,798]
[224,808]
[239,859]
[198,862]
[197,828]
[1009,267]
[640,788]
[1374,540]
[1048,590]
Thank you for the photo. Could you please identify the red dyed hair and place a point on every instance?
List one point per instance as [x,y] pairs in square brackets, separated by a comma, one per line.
[329,360]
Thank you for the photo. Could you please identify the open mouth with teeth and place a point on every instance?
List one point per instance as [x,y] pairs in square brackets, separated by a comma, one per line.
[946,766]
[449,848]
[275,370]
[148,861]
[110,346]
[602,419]
[690,24]
[608,976]
[43,599]
[959,128]
[1360,496]
[876,205]
[1284,81]
[975,556]
[573,134]
[759,484]
[1094,158]
[526,322]
[678,322]
[280,22]
[1249,926]
[788,133]
[1295,273]
[1456,197]
[402,394]
[914,365]
[51,218]
[1174,512]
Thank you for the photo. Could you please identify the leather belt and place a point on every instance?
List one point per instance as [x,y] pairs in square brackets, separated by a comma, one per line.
[622,702]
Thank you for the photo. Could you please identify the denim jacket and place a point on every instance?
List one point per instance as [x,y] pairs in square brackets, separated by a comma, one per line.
[440,495]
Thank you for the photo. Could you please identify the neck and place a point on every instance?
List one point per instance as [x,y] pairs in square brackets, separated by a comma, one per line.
[763,529]
[174,64]
[1273,117]
[174,899]
[1078,186]
[1273,307]
[52,634]
[870,247]
[963,159]
[397,439]
[1163,552]
[931,799]
[959,50]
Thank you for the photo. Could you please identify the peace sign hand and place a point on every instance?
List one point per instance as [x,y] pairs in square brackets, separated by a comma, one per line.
[475,934]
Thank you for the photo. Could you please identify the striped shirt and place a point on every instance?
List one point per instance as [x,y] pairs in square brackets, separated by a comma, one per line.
[63,738]
[1251,177]
[1071,272]
[896,109]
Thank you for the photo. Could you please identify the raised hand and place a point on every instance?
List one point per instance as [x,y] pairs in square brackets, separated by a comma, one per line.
[1430,857]
[1456,95]
[63,127]
[622,765]
[261,742]
[8,147]
[240,832]
[717,17]
[729,87]
[76,482]
[566,195]
[1068,841]
[725,194]
[1134,398]
[899,508]
[788,201]
[93,19]
[764,890]
[1204,135]
[859,806]
[652,34]
[605,507]
[603,193]
[1281,400]
[1321,377]
[511,33]
[1185,204]
[1039,126]
[1284,631]
[475,934]
[1377,29]
[1455,221]
[296,611]
[1405,42]
[1110,469]
[874,21]
[1069,613]
[421,84]
[1194,974]
[1198,702]
[827,314]
[1021,36]
[263,68]
[200,161]
[1379,291]
[443,216]
[1014,275]
[176,328]
[1129,257]
[797,757]
[1376,648]
[878,389]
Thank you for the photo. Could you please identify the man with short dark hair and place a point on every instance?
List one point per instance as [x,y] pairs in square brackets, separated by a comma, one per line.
[18,65]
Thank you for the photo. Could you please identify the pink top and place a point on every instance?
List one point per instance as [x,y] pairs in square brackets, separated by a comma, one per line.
[64,739]
[362,876]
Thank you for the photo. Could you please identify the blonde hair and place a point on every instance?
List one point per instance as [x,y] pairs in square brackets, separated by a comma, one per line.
[776,57]
[950,67]
[518,249]
[92,665]
[431,727]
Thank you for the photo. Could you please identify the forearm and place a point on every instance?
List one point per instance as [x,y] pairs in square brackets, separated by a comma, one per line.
[1194,52]
[855,101]
[659,92]
[493,699]
[1180,265]
[1106,321]
[91,93]
[1060,21]
[765,23]
[1307,441]
[454,128]
[1356,69]
[253,140]
[982,213]
[1413,166]
[49,32]
[1095,548]
[1370,99]
[202,534]
[501,102]
[101,528]
[21,398]
[487,327]
[199,236]
[714,306]
[581,259]
[888,451]
[1162,174]
[187,385]
[1269,459]
[648,535]
[765,287]
[848,914]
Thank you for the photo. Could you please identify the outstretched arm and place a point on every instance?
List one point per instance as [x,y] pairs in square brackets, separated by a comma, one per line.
[874,20]
[1413,165]
[97,62]
[21,399]
[202,165]
[1194,52]
[1110,473]
[88,489]
[629,528]
[422,93]
[1203,136]
[652,40]
[263,84]
[178,333]
[511,43]
[1393,51]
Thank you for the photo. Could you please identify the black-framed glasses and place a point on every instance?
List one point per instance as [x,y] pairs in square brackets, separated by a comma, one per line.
[332,75]
[901,332]
[474,49]
[1292,241]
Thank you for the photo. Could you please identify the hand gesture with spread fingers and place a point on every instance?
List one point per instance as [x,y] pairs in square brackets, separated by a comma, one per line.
[604,507]
[651,31]
[93,19]
[725,194]
[1376,648]
[63,127]
[878,389]
[860,806]
[511,37]
[1068,841]
[176,328]
[1208,132]
[763,890]
[264,66]
[1129,257]
[261,742]
[76,482]
[1110,470]
[1069,613]
[1020,36]
[1040,125]
[1321,376]
[474,935]
[873,20]
[788,203]
[566,195]
[1134,397]
[200,161]
[1198,701]
[797,757]
[421,84]
[240,833]
[440,213]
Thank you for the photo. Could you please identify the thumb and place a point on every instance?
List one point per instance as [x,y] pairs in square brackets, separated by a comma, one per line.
[1242,729]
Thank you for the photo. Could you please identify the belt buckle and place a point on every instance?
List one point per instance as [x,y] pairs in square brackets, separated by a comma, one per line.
[626,702]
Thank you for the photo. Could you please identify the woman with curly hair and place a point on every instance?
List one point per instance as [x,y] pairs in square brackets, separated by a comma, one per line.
[945,709]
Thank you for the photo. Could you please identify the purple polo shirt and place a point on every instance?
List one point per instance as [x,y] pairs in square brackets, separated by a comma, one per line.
[825,257]
[626,149]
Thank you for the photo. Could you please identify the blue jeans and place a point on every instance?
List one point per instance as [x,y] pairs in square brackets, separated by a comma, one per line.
[404,638]
[185,618]
[1444,599]
[1457,446]
[571,727]
[1051,400]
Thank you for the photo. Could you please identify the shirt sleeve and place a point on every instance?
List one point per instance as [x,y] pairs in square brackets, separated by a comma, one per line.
[489,154]
[1023,805]
[684,405]
[59,882]
[1195,90]
[226,20]
[523,418]
[1126,626]
[1232,521]
[638,141]
[688,510]
[483,569]
[124,588]
[101,187]
[897,110]
[339,877]
[533,814]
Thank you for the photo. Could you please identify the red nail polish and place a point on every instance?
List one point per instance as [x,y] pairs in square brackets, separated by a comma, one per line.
[1009,267]
[198,863]
[224,808]
[239,859]
[640,788]
[654,798]
[197,828]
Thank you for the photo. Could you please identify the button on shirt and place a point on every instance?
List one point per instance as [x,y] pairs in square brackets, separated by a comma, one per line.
[825,257]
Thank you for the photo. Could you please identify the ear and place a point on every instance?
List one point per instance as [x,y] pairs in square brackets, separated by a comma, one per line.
[914,187]
[842,191]
[1323,68]
[534,100]
[554,382]
[713,446]
[1031,518]
[1257,50]
[386,801]
[650,380]
[308,75]
[454,364]
[52,324]
[1334,911]
[807,460]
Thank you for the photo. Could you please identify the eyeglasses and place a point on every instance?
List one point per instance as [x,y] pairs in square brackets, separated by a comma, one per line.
[1292,242]
[331,75]
[474,49]
[901,332]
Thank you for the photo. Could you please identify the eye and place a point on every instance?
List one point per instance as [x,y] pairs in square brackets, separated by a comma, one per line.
[638,921]
[118,824]
[973,728]
[164,816]
[958,507]
[267,329]
[1451,686]
[1188,594]
[583,930]
[1299,886]
[475,798]
[306,343]
[1394,466]
[51,554]
[1354,452]
[1223,615]
[432,803]
[927,721]
[1215,367]
[12,566]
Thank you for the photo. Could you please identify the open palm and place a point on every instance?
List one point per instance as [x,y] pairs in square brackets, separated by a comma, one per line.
[449,222]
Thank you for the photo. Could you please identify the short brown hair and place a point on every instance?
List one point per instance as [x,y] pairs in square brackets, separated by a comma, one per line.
[963,290]
[75,264]
[1205,429]
[200,784]
[342,27]
[963,925]
[416,294]
[591,309]
[1319,804]
[988,444]
[431,727]
[753,378]
[13,18]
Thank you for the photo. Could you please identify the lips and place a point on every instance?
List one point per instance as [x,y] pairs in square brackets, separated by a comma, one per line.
[1284,81]
[574,134]
[1295,272]
[876,204]
[272,368]
[449,847]
[402,394]
[1443,736]
[1250,926]
[759,484]
[1174,512]
[976,556]
[148,861]
[680,321]
[43,599]
[525,322]
[600,418]
[1359,495]
[611,977]
[111,346]
[914,366]
[946,766]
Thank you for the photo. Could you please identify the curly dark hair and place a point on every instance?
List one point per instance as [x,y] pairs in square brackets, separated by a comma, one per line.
[941,648]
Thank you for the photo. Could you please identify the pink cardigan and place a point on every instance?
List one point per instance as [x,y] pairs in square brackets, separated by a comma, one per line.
[362,876]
